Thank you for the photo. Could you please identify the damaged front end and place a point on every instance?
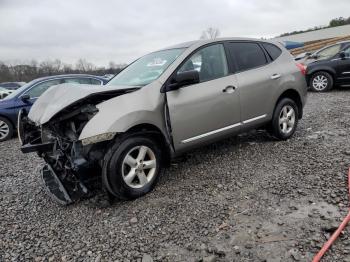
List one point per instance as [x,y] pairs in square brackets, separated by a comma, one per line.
[52,128]
[72,170]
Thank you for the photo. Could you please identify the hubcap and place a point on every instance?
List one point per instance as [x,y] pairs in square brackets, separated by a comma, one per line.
[287,119]
[4,130]
[139,166]
[320,82]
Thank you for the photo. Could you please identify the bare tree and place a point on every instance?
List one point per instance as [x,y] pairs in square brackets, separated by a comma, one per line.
[84,66]
[210,33]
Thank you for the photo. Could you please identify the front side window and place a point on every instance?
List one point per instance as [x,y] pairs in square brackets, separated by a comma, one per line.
[328,52]
[146,69]
[247,55]
[210,62]
[347,52]
[39,89]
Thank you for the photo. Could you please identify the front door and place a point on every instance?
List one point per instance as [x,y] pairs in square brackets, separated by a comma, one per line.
[207,110]
[343,68]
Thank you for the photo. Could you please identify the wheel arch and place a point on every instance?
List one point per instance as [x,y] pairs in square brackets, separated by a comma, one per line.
[330,71]
[295,96]
[158,136]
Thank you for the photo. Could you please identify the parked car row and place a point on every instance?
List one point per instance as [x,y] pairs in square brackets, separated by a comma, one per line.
[328,67]
[160,106]
[26,95]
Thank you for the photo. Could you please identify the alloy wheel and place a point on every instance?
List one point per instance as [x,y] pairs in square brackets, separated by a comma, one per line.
[287,119]
[320,82]
[4,130]
[139,166]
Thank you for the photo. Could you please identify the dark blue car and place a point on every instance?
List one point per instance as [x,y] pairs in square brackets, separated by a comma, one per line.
[25,96]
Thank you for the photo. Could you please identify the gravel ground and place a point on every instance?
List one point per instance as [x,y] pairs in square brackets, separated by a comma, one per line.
[249,198]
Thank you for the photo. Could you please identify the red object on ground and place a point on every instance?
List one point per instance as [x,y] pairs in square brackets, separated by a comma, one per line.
[335,234]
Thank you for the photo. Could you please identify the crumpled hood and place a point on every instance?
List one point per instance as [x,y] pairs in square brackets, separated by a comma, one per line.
[61,96]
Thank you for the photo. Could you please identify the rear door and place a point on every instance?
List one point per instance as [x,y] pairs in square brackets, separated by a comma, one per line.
[258,76]
[210,109]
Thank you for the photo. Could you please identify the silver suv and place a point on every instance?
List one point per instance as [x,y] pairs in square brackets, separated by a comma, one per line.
[162,105]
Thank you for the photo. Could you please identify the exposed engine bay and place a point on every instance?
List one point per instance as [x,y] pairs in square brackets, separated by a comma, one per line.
[72,170]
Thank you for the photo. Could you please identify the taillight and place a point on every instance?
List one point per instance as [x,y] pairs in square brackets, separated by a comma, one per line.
[302,68]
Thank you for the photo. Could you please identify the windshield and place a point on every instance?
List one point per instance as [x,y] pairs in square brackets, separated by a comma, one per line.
[146,69]
[19,90]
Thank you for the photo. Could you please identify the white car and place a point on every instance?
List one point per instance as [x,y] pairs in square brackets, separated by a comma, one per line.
[4,92]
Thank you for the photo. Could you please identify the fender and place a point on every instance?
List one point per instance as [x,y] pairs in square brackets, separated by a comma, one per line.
[119,114]
[316,68]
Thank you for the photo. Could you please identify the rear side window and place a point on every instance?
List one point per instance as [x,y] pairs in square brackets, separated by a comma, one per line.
[246,55]
[84,80]
[272,50]
[95,81]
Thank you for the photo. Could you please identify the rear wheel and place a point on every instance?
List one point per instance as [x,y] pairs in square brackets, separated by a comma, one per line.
[285,119]
[131,167]
[6,129]
[321,82]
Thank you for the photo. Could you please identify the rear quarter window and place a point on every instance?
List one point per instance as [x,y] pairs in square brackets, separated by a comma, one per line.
[272,50]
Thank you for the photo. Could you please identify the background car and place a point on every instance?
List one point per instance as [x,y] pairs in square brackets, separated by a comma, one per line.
[329,69]
[12,85]
[4,92]
[25,96]
[108,76]
[323,53]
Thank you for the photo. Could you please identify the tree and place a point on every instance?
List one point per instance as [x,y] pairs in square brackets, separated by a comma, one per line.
[337,22]
[84,66]
[210,33]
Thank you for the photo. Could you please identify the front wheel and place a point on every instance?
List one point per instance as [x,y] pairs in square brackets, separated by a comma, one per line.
[6,129]
[285,119]
[131,167]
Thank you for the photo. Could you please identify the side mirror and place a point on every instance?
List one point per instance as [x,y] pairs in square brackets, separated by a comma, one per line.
[342,55]
[184,79]
[25,98]
[308,54]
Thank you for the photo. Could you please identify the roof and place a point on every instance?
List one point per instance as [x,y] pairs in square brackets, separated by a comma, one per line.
[67,75]
[206,41]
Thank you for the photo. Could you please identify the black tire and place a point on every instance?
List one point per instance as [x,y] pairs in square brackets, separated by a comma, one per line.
[328,81]
[276,127]
[112,172]
[6,129]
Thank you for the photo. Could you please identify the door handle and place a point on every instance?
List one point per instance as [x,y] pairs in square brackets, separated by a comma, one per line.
[275,76]
[229,89]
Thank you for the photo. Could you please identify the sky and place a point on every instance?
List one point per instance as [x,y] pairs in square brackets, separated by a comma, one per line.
[101,31]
